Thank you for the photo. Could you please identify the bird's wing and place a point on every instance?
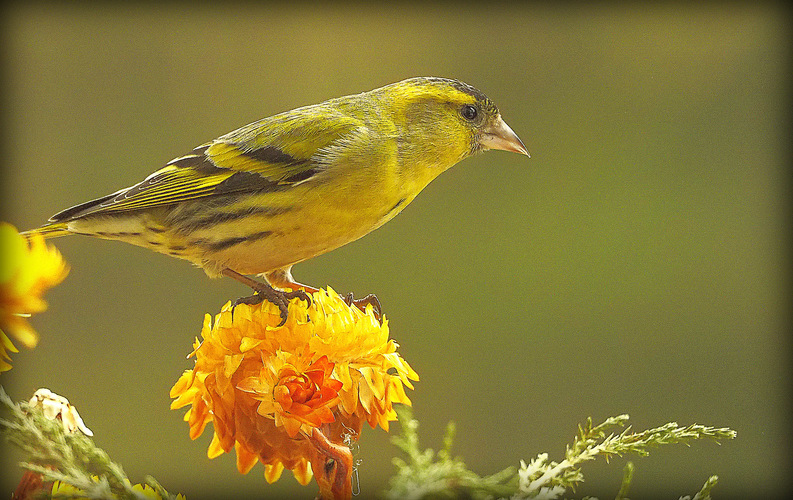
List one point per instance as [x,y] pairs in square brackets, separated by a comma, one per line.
[272,154]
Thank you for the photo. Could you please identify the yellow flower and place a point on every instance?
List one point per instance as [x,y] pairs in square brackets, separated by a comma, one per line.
[267,389]
[28,268]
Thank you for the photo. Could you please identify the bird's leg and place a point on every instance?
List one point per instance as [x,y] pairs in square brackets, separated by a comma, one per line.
[266,291]
[361,304]
[282,278]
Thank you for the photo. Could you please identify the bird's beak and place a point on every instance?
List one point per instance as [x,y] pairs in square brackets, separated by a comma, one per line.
[499,136]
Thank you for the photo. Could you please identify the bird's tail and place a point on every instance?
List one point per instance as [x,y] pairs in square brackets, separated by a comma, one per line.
[48,231]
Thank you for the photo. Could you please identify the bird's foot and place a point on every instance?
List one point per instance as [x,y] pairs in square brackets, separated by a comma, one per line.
[277,297]
[361,304]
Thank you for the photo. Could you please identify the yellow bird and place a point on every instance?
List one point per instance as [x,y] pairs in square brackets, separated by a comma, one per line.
[297,184]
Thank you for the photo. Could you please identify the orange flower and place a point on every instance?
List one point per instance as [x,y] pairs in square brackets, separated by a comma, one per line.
[268,389]
[28,268]
[293,393]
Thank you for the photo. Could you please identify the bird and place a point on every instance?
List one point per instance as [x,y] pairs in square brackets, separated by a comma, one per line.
[286,188]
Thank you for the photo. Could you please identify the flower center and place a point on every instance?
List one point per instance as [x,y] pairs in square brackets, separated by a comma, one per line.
[294,389]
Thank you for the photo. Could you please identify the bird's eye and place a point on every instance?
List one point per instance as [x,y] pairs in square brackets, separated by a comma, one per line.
[469,112]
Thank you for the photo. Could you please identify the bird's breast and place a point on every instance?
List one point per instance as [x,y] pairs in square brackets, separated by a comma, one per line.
[315,225]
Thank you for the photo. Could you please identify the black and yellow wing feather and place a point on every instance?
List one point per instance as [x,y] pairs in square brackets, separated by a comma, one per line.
[273,153]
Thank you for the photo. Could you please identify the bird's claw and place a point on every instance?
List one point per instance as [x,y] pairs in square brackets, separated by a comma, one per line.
[361,304]
[300,294]
[250,300]
[279,298]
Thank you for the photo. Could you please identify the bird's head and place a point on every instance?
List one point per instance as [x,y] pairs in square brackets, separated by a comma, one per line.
[446,120]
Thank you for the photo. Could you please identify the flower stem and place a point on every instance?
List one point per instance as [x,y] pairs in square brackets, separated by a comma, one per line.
[332,466]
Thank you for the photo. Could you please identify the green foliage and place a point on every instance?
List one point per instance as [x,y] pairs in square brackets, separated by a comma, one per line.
[70,458]
[428,475]
[74,459]
[627,477]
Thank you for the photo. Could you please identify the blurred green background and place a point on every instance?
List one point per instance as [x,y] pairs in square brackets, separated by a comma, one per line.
[637,263]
